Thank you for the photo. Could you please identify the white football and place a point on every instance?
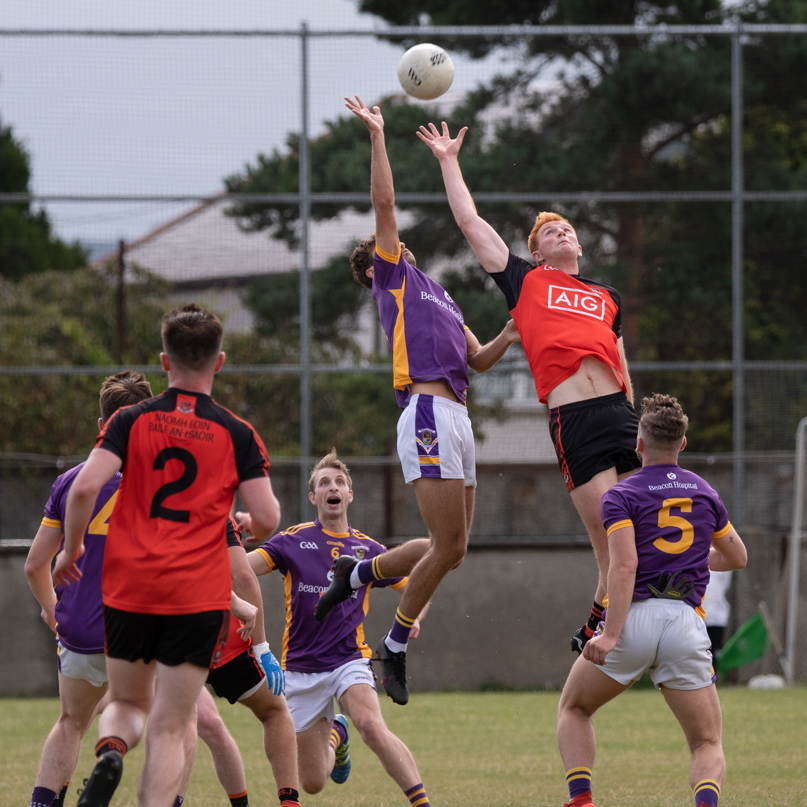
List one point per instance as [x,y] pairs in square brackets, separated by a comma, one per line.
[425,71]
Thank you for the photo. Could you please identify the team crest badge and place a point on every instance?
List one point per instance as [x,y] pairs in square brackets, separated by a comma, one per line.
[186,404]
[359,552]
[427,440]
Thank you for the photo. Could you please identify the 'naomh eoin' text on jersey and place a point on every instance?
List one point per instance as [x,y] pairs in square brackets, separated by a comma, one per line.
[183,457]
[424,327]
[675,515]
[303,555]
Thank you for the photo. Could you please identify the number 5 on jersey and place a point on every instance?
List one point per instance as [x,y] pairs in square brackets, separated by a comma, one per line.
[667,520]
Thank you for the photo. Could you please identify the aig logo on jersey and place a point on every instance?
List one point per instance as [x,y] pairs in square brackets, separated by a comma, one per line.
[587,303]
[308,545]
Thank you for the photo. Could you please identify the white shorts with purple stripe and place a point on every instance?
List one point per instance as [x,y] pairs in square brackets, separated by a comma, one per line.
[436,441]
[668,640]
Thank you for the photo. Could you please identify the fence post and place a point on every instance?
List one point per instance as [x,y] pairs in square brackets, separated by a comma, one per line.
[305,299]
[120,325]
[737,295]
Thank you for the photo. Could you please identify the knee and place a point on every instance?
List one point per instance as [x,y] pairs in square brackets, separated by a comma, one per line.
[373,732]
[452,554]
[312,783]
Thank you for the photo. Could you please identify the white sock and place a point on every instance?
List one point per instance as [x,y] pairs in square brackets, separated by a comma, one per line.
[395,647]
[355,583]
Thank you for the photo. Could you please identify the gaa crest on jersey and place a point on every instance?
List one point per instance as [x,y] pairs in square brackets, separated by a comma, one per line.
[589,303]
[426,439]
[186,404]
[359,552]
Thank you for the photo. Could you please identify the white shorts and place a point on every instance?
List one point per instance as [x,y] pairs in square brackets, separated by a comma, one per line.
[665,638]
[310,695]
[89,668]
[436,441]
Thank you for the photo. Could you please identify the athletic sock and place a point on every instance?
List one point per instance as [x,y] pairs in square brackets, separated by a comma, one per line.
[238,799]
[289,797]
[417,795]
[579,782]
[707,792]
[594,619]
[398,637]
[364,572]
[338,735]
[59,800]
[105,744]
[178,801]
[42,797]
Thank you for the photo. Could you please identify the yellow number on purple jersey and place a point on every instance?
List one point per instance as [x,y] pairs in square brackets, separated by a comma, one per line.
[100,524]
[667,520]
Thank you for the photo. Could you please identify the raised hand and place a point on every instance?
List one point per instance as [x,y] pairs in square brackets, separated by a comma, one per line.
[442,145]
[374,121]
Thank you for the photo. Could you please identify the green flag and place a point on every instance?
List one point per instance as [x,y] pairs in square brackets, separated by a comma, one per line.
[746,645]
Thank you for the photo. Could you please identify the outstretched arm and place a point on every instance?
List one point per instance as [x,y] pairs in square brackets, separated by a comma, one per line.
[483,357]
[488,245]
[382,190]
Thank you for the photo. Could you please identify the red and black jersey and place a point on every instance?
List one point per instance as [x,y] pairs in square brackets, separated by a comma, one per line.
[561,318]
[235,644]
[183,457]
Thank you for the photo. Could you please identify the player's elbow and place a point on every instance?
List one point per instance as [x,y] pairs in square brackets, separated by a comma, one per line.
[265,521]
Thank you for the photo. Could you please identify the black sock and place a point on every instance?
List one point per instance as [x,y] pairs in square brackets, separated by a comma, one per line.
[105,744]
[288,794]
[594,619]
[241,800]
[59,800]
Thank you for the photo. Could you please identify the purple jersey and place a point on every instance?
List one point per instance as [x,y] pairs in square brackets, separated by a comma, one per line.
[79,607]
[675,515]
[303,555]
[424,327]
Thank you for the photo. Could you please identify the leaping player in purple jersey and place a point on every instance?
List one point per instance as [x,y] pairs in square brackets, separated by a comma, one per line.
[667,528]
[431,351]
[75,613]
[332,660]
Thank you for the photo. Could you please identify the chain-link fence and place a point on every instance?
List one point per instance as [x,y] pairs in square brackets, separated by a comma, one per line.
[222,167]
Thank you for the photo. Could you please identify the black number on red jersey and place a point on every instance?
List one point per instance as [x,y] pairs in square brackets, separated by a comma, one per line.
[178,485]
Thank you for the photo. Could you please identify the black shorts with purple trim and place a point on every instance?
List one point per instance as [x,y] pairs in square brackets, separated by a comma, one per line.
[171,639]
[594,435]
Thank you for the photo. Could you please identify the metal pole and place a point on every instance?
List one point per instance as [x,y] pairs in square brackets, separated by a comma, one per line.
[305,300]
[795,553]
[738,328]
[120,325]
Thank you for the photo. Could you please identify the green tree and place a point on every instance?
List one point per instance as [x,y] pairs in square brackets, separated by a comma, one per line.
[26,241]
[66,318]
[614,114]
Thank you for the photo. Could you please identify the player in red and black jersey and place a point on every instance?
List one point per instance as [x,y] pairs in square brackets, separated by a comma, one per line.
[166,576]
[570,328]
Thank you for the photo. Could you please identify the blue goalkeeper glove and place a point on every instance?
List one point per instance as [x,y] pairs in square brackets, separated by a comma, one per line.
[271,666]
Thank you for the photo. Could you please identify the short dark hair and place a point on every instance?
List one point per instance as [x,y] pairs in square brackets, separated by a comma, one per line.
[663,422]
[362,259]
[123,389]
[192,336]
[330,460]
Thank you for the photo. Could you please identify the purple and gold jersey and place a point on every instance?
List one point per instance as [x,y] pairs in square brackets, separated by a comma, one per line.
[79,608]
[303,555]
[675,515]
[424,327]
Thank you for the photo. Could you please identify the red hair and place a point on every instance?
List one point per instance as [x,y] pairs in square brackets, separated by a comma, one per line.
[540,220]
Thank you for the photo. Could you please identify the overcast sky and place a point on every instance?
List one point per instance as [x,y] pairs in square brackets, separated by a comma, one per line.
[106,115]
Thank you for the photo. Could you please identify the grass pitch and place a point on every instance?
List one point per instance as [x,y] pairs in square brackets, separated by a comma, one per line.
[477,749]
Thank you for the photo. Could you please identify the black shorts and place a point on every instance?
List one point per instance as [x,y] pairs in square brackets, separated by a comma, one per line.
[594,435]
[238,678]
[170,639]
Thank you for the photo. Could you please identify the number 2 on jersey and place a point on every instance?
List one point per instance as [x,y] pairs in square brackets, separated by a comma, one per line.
[190,470]
[667,520]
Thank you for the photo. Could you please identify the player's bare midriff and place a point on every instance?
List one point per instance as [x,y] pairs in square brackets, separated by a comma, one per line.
[439,388]
[593,379]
